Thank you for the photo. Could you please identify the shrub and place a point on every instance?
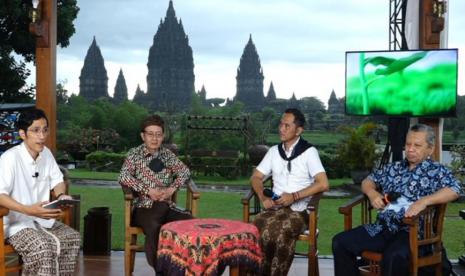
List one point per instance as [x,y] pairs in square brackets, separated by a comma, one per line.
[332,165]
[458,162]
[358,149]
[228,168]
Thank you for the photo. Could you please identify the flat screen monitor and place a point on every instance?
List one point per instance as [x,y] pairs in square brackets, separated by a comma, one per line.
[420,83]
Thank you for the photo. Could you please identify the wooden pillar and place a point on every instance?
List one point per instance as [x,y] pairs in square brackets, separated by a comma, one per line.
[437,127]
[431,24]
[45,31]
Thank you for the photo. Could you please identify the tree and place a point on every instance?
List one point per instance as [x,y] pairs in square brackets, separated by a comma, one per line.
[78,117]
[214,139]
[15,38]
[197,108]
[62,96]
[13,86]
[455,133]
[75,113]
[260,125]
[126,122]
[358,149]
[309,105]
[457,123]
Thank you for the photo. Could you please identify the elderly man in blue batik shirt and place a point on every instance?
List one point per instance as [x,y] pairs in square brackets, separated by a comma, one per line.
[421,182]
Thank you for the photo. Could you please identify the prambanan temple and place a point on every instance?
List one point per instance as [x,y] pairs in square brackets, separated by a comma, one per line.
[170,81]
[170,78]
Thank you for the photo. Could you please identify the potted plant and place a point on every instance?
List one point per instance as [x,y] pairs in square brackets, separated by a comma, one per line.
[358,150]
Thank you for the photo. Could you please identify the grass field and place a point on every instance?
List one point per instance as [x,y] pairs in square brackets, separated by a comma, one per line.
[315,137]
[227,205]
[86,174]
[241,181]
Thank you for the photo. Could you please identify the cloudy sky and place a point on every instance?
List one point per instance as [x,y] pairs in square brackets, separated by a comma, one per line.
[301,43]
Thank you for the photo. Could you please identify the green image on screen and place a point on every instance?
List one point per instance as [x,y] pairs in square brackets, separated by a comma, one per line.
[419,83]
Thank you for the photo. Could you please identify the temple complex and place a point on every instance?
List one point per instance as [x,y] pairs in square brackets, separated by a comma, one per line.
[170,78]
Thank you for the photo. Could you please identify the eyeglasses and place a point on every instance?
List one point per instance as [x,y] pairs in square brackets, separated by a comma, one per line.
[152,135]
[37,131]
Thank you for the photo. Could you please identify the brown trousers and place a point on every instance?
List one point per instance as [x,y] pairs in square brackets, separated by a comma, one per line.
[279,230]
[151,220]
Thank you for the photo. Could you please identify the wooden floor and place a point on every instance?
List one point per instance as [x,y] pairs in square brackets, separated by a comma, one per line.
[111,265]
[114,266]
[105,265]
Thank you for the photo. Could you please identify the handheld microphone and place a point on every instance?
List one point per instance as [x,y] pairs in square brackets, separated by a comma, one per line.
[269,193]
[391,197]
[36,174]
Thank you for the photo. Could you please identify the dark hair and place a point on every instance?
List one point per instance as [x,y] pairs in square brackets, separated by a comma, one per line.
[27,117]
[430,135]
[299,118]
[152,120]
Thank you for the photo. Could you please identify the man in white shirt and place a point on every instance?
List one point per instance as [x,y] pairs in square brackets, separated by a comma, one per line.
[297,174]
[28,172]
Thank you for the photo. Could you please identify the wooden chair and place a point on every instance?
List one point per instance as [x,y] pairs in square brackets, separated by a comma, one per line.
[7,250]
[432,221]
[130,238]
[8,261]
[310,235]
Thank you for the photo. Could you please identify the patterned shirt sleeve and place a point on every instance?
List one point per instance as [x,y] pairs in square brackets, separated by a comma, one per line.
[379,176]
[447,179]
[127,175]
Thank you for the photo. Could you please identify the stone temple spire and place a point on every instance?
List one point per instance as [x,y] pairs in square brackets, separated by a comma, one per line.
[139,96]
[293,98]
[271,96]
[203,95]
[93,82]
[249,79]
[335,105]
[121,90]
[170,13]
[332,98]
[170,79]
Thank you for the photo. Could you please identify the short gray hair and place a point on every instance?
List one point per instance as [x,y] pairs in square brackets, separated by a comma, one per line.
[430,135]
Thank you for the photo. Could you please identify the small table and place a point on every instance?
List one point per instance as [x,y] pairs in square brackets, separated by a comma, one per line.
[207,246]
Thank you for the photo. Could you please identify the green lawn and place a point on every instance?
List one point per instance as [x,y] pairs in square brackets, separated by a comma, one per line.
[227,205]
[241,181]
[315,137]
[86,174]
